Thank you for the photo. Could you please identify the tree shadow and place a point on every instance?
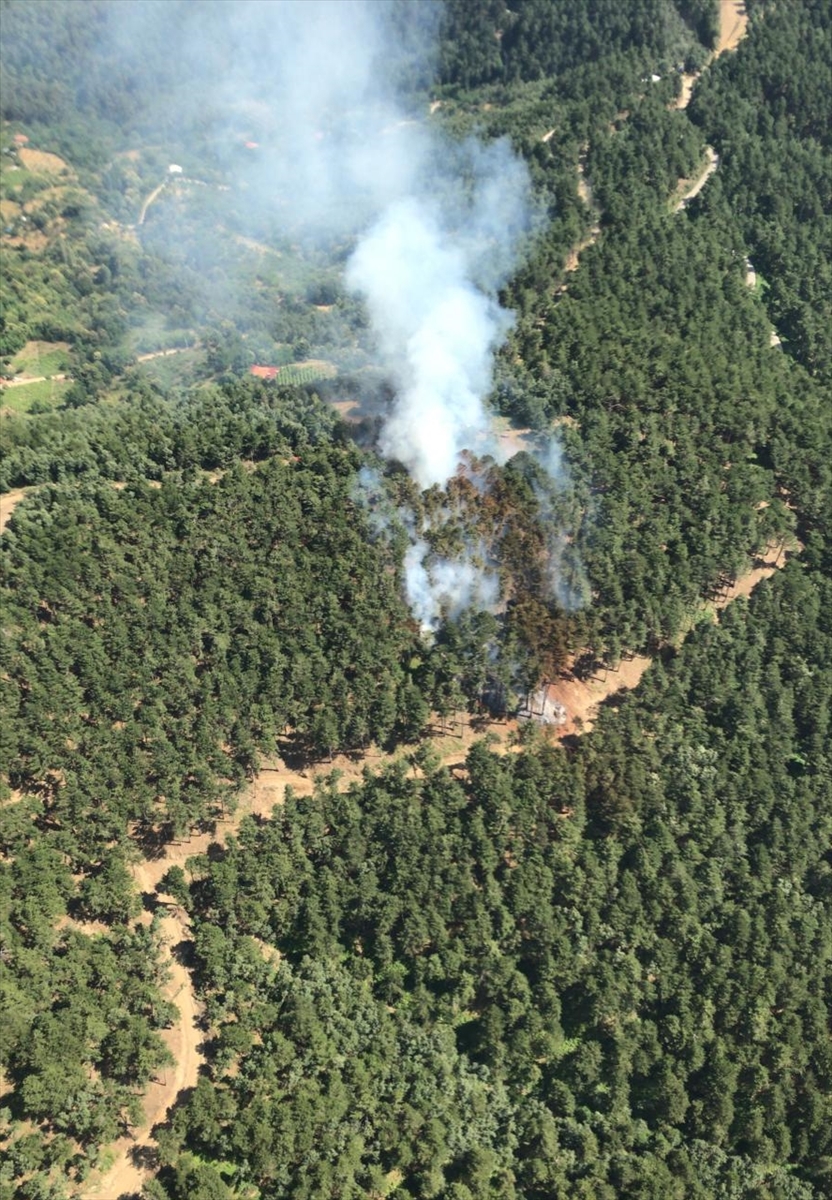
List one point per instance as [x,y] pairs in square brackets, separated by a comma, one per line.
[183,1097]
[294,753]
[183,953]
[144,1158]
[151,902]
[152,839]
[215,852]
[585,665]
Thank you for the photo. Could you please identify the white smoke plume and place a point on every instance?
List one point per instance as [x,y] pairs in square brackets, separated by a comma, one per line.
[445,587]
[567,580]
[444,238]
[382,517]
[437,331]
[436,225]
[436,587]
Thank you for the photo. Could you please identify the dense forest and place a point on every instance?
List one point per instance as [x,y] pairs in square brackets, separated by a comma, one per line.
[597,965]
[598,974]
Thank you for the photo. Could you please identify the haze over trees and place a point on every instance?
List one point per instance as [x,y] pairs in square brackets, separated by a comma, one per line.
[598,968]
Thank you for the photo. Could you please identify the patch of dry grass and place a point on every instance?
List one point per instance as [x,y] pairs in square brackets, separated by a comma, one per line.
[42,162]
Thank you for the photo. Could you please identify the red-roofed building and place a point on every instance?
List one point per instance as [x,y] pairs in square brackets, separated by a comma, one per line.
[20,139]
[264,372]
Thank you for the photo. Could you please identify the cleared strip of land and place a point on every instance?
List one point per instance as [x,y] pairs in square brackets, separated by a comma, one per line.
[582,700]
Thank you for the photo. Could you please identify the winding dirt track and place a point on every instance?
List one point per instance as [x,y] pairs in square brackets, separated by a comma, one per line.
[154,195]
[8,503]
[733,26]
[127,1175]
[22,380]
[696,186]
[582,700]
[163,353]
[129,1170]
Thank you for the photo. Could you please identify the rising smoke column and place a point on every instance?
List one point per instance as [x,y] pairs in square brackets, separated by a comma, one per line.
[436,225]
[436,333]
[447,587]
[428,272]
[428,269]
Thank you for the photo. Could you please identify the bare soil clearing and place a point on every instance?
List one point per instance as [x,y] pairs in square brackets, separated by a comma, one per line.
[10,210]
[771,561]
[511,439]
[34,240]
[8,503]
[88,928]
[55,193]
[41,162]
[582,699]
[733,25]
[40,356]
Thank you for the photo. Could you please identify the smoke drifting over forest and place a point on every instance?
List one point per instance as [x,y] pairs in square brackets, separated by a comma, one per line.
[424,273]
[435,226]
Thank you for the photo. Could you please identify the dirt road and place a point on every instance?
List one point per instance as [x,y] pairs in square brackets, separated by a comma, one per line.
[702,178]
[127,1175]
[733,26]
[8,503]
[154,195]
[22,380]
[573,258]
[582,700]
[128,1172]
[163,353]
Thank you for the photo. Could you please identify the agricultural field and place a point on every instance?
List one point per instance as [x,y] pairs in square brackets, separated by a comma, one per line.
[41,358]
[302,373]
[37,396]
